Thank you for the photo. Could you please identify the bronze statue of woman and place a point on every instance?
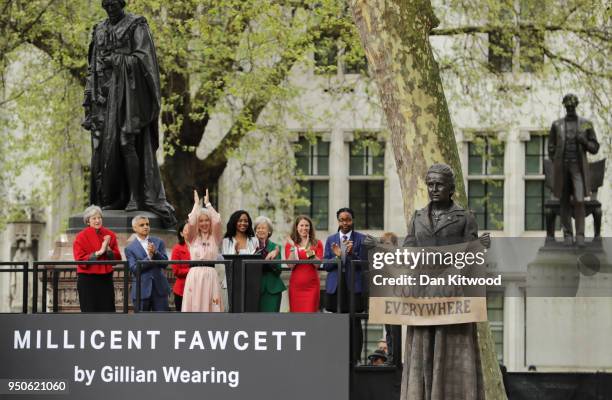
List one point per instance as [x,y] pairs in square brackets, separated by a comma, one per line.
[441,362]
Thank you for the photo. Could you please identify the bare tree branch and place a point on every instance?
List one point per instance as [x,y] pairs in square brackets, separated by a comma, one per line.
[516,29]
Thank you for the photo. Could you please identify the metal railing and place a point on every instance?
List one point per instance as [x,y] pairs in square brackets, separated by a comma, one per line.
[24,270]
[336,261]
[395,330]
[56,267]
[167,263]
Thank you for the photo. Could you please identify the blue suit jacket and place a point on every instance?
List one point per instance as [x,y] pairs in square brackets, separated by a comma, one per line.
[152,275]
[359,253]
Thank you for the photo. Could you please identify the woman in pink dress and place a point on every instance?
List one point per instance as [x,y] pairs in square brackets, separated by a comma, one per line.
[304,286]
[202,289]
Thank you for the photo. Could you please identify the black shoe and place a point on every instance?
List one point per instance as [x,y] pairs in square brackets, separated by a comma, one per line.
[568,241]
[580,241]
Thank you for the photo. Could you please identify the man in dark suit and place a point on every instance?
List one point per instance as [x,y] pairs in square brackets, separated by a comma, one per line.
[346,245]
[568,142]
[154,287]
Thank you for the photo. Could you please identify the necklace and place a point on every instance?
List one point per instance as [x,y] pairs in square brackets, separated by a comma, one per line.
[436,215]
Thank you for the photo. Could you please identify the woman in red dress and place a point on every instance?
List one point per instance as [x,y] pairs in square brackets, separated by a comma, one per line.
[304,286]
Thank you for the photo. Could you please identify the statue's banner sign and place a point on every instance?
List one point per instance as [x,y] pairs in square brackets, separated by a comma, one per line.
[174,355]
[431,311]
[429,285]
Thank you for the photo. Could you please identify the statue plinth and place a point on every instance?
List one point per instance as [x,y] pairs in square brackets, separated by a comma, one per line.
[568,306]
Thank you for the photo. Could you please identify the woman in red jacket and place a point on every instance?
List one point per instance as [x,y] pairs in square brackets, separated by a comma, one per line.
[304,286]
[95,281]
[180,251]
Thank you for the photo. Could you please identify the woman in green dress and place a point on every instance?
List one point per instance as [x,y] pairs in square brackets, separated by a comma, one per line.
[272,285]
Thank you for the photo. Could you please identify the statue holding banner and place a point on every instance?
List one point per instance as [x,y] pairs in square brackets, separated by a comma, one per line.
[442,362]
[122,105]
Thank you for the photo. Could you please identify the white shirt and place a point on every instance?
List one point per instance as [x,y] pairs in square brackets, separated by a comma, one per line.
[145,244]
[229,246]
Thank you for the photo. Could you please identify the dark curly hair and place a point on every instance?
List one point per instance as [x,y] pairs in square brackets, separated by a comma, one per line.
[231,230]
[345,209]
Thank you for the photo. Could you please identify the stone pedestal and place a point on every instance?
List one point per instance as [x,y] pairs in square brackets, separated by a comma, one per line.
[569,308]
[117,221]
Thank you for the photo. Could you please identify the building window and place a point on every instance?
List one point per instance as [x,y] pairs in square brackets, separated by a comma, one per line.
[331,53]
[531,39]
[367,158]
[326,54]
[485,156]
[535,190]
[317,195]
[312,158]
[501,46]
[367,184]
[495,313]
[486,181]
[312,163]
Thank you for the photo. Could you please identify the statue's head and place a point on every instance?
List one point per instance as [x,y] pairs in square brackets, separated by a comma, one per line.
[570,101]
[114,9]
[440,182]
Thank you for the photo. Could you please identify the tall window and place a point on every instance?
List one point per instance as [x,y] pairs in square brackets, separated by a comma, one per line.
[495,313]
[367,182]
[531,37]
[535,190]
[332,52]
[486,181]
[312,162]
[501,41]
[326,54]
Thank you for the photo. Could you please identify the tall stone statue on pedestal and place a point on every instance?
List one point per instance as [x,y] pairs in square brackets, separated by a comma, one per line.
[122,105]
[569,140]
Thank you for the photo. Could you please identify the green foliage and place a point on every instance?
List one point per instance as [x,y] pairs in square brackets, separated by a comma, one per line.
[232,58]
[526,48]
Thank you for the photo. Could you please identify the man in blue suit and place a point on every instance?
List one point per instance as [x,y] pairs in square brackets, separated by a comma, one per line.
[346,245]
[154,287]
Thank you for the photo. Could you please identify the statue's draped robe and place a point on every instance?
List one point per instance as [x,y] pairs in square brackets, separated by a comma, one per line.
[442,362]
[124,91]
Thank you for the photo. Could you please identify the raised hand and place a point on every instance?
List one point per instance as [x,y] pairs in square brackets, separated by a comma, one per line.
[196,198]
[336,249]
[206,199]
[349,247]
[272,255]
[151,249]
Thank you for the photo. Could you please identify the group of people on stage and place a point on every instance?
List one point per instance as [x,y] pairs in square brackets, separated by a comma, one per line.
[200,238]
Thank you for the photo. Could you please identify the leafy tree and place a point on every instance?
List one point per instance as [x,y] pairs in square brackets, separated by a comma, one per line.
[221,57]
[232,58]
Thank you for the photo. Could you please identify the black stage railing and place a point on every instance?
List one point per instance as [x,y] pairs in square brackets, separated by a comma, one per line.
[391,331]
[19,267]
[296,262]
[167,263]
[56,267]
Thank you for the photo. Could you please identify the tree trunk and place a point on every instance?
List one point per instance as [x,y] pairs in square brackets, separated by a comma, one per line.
[395,37]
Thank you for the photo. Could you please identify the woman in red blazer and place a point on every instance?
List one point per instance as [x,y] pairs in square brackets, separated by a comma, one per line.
[180,251]
[95,282]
